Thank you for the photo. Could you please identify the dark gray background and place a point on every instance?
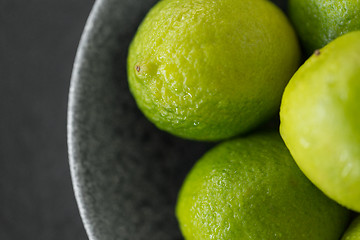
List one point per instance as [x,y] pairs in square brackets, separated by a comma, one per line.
[38,41]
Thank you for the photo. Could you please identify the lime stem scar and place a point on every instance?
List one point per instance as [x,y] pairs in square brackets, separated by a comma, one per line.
[137,67]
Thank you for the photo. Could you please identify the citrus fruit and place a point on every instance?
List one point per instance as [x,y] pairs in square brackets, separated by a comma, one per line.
[251,188]
[353,232]
[320,21]
[209,70]
[320,118]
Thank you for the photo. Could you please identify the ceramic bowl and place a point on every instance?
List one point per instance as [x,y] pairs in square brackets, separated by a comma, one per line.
[126,173]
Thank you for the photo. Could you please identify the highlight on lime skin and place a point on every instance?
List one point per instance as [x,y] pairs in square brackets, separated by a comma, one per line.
[203,79]
[251,188]
[320,119]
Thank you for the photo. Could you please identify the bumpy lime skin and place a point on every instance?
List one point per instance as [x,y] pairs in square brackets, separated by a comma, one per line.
[320,119]
[353,232]
[209,70]
[251,188]
[318,22]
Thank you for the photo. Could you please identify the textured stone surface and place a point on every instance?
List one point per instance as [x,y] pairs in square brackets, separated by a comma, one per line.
[126,173]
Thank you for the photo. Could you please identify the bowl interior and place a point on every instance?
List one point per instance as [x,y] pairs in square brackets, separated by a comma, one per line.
[126,173]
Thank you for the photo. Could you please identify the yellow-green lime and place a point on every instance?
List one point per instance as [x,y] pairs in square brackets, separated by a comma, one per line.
[209,70]
[251,188]
[320,119]
[320,21]
[353,232]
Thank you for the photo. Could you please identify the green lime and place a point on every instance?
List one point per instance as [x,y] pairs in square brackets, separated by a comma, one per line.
[320,119]
[251,188]
[353,232]
[209,70]
[320,21]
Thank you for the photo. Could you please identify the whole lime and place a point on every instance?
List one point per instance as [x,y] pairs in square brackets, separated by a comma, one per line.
[209,70]
[320,119]
[320,21]
[353,232]
[251,188]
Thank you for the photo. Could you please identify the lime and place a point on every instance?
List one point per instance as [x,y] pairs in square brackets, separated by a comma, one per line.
[353,232]
[209,70]
[320,118]
[251,188]
[320,21]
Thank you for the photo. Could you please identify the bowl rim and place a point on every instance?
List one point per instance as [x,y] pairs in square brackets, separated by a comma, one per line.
[74,82]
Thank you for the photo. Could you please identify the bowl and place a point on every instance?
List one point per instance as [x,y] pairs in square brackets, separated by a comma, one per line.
[126,173]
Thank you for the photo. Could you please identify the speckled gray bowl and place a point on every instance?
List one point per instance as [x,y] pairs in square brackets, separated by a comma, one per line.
[126,173]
